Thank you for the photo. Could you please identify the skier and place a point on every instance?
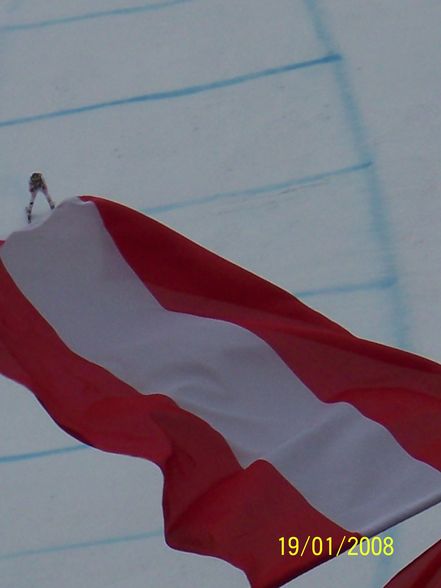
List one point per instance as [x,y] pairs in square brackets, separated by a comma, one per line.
[36,184]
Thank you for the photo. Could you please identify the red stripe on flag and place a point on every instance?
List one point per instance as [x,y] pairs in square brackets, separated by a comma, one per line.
[397,389]
[211,505]
[423,572]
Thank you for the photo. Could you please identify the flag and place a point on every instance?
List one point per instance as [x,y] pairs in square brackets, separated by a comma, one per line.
[281,436]
[423,572]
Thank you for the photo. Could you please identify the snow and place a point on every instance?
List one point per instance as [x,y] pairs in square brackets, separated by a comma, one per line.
[324,178]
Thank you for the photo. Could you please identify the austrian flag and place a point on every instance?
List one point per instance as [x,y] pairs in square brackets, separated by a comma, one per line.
[267,419]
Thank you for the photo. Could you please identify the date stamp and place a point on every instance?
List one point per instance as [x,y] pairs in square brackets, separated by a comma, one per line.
[327,546]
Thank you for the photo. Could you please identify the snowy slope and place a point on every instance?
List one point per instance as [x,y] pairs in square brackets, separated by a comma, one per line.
[300,139]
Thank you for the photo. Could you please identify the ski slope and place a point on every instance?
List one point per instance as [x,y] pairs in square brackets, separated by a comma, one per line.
[298,138]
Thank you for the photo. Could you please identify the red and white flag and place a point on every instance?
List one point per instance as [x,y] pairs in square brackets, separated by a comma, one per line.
[268,420]
[424,572]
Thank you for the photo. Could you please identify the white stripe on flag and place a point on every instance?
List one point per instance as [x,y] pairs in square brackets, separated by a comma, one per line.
[337,458]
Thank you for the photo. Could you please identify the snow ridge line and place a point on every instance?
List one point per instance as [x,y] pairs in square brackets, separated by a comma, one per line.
[257,190]
[12,28]
[37,454]
[379,216]
[177,93]
[81,545]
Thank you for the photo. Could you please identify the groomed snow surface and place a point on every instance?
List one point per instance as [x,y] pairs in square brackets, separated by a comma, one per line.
[300,139]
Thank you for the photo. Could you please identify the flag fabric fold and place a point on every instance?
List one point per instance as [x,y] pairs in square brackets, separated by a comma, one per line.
[423,572]
[267,419]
